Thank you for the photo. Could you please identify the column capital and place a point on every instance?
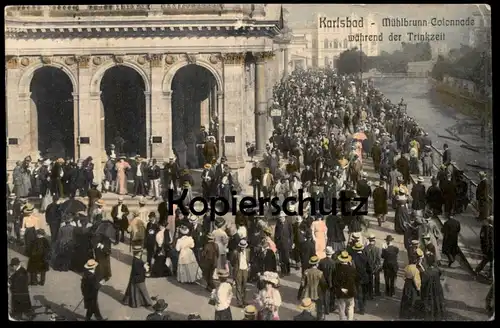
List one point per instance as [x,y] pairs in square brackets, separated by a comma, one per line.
[167,94]
[95,94]
[261,57]
[233,58]
[24,95]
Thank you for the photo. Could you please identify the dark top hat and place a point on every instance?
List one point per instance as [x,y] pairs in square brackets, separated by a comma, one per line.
[14,262]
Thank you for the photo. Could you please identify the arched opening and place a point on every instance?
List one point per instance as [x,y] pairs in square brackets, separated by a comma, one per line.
[52,113]
[194,104]
[124,109]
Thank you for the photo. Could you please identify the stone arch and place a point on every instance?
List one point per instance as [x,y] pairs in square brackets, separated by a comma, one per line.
[95,83]
[25,80]
[169,76]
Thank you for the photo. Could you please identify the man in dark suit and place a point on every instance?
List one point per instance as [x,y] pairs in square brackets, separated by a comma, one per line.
[482,197]
[307,306]
[450,231]
[139,177]
[90,290]
[256,178]
[152,229]
[283,238]
[346,279]
[119,214]
[390,265]
[239,262]
[327,266]
[446,155]
[486,236]
[19,291]
[171,175]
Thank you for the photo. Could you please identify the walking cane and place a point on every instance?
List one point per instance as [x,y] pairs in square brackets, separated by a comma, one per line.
[78,305]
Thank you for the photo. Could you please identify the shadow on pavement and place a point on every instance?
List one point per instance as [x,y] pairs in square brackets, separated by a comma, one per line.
[113,293]
[59,309]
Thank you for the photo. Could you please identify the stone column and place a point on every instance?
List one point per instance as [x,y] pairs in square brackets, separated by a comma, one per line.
[167,123]
[149,123]
[219,110]
[76,125]
[89,117]
[161,118]
[260,103]
[231,120]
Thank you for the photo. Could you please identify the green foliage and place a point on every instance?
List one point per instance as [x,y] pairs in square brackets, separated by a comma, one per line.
[397,62]
[352,61]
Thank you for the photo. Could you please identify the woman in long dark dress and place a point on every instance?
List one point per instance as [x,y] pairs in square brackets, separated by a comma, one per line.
[401,215]
[160,269]
[410,301]
[102,252]
[136,294]
[83,245]
[432,290]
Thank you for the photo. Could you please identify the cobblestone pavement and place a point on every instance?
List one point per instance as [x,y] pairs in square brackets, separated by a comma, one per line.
[465,297]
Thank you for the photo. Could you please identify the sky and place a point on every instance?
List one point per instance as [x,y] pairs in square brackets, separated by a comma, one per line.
[303,15]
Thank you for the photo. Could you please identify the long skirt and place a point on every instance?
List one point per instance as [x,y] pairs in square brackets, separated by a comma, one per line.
[29,238]
[160,269]
[189,273]
[224,314]
[410,307]
[137,295]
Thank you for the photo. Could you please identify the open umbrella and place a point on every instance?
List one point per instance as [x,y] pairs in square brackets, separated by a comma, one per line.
[359,136]
[72,206]
[107,229]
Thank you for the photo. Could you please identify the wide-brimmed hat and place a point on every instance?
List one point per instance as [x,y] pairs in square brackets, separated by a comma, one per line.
[12,196]
[356,235]
[60,160]
[207,166]
[306,304]
[415,242]
[358,246]
[137,248]
[243,243]
[427,236]
[14,262]
[120,198]
[389,238]
[268,230]
[28,208]
[91,264]
[250,310]
[160,305]
[482,174]
[314,260]
[100,202]
[142,201]
[184,230]
[222,273]
[219,221]
[192,218]
[420,179]
[419,252]
[210,236]
[329,250]
[371,237]
[270,277]
[47,162]
[344,257]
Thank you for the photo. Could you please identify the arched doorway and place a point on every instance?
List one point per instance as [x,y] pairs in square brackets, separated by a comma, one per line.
[124,111]
[194,104]
[52,113]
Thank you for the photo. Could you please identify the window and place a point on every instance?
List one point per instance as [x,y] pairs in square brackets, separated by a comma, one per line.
[374,43]
[345,43]
[335,44]
[325,44]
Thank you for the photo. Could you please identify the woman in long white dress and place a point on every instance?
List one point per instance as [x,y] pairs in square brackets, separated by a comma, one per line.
[188,270]
[268,299]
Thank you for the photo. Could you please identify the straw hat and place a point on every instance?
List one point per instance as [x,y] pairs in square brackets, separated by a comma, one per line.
[192,218]
[358,246]
[12,196]
[210,236]
[184,230]
[243,243]
[329,250]
[314,260]
[28,208]
[268,230]
[120,198]
[371,237]
[47,162]
[415,242]
[137,248]
[250,310]
[344,257]
[419,252]
[306,304]
[271,277]
[91,264]
[356,235]
[160,305]
[60,160]
[427,236]
[222,273]
[100,202]
[207,166]
[420,179]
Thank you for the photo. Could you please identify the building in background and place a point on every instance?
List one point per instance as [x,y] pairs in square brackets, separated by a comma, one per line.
[329,43]
[481,33]
[300,49]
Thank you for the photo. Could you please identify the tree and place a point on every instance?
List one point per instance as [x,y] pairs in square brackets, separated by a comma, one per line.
[440,69]
[352,61]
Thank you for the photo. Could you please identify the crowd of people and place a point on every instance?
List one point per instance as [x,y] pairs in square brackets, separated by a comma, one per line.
[330,127]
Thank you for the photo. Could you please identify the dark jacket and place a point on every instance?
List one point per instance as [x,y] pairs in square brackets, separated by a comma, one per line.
[390,257]
[418,195]
[486,237]
[19,291]
[283,236]
[335,232]
[327,266]
[363,268]
[90,288]
[345,277]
